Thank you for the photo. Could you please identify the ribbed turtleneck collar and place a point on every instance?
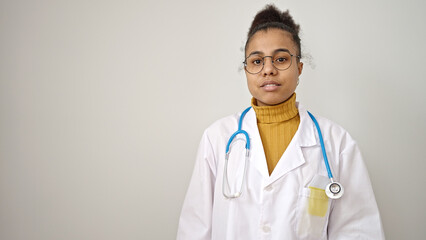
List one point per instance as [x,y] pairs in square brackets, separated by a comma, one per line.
[277,113]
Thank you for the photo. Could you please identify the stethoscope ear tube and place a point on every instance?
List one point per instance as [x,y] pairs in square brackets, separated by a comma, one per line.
[227,153]
[225,177]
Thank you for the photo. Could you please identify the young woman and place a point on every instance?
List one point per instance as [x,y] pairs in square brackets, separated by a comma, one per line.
[282,188]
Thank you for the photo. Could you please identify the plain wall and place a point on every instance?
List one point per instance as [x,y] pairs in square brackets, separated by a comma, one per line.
[103,103]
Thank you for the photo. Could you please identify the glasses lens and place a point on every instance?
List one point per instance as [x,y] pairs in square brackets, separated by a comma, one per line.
[254,63]
[282,60]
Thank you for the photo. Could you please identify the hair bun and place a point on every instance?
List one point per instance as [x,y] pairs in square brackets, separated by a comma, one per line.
[272,17]
[272,14]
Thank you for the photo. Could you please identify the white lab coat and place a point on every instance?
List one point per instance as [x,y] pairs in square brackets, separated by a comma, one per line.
[276,206]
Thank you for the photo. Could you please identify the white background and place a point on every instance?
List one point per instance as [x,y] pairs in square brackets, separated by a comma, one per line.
[102,105]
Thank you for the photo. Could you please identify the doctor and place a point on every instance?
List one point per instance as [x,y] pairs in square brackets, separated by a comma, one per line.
[283,181]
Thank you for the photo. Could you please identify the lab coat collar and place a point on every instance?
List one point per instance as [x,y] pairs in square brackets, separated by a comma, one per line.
[307,137]
[292,157]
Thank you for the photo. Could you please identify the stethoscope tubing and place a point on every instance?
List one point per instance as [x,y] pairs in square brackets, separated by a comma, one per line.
[240,131]
[324,154]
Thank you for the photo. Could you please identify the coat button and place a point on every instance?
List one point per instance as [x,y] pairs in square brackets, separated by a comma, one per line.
[266,228]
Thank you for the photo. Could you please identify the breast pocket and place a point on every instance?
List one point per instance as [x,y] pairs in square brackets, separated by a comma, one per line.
[312,213]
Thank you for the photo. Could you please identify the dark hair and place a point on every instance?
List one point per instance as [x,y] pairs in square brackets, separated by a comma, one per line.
[272,17]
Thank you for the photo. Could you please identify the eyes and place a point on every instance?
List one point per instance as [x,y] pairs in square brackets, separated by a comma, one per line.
[258,60]
[281,60]
[255,62]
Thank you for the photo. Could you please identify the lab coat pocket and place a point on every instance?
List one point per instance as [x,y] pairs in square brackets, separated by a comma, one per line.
[312,213]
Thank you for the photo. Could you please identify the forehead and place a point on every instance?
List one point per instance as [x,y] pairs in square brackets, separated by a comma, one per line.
[267,41]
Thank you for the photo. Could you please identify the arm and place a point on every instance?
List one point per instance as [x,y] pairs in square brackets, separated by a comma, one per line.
[195,219]
[355,215]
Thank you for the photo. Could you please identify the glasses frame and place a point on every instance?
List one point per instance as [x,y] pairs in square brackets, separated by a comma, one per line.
[263,62]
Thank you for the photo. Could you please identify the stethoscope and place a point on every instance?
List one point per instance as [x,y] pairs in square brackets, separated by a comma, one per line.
[333,190]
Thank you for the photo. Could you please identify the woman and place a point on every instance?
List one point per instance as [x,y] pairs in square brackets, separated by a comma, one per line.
[280,192]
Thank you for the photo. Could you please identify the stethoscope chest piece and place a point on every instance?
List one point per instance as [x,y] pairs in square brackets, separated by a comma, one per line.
[334,190]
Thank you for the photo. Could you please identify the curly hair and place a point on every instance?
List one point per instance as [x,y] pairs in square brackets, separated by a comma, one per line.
[272,17]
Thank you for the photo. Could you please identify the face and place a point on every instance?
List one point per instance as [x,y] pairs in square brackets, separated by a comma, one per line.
[272,86]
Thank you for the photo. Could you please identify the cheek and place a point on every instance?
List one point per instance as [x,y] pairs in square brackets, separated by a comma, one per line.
[294,74]
[251,84]
[250,80]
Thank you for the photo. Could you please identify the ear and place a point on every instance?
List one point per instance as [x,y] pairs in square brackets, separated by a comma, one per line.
[300,67]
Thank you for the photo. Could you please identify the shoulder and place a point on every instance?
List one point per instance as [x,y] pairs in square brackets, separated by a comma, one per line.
[217,134]
[324,123]
[223,126]
[331,131]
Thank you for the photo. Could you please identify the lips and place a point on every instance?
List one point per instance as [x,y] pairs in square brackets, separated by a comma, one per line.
[270,86]
[270,83]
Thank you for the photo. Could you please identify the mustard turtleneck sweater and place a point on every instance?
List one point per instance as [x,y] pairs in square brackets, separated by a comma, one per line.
[277,125]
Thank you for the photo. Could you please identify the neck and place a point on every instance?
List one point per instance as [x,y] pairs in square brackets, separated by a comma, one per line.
[276,113]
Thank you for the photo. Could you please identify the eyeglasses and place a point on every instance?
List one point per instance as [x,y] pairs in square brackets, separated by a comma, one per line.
[281,60]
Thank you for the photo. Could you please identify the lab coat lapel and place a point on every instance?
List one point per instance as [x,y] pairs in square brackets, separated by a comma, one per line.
[293,156]
[257,154]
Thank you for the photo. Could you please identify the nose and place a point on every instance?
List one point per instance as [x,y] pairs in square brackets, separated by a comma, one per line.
[268,67]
